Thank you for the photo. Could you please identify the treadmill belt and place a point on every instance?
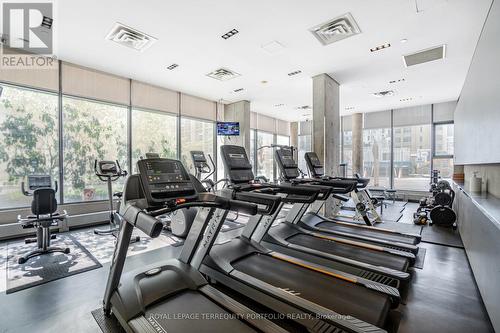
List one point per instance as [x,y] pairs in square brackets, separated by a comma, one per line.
[352,252]
[190,311]
[338,295]
[374,233]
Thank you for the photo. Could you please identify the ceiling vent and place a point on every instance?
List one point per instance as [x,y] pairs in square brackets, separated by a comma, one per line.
[130,37]
[384,93]
[223,74]
[424,56]
[337,29]
[294,73]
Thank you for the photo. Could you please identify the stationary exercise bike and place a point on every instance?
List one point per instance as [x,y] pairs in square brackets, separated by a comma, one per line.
[436,208]
[110,171]
[45,215]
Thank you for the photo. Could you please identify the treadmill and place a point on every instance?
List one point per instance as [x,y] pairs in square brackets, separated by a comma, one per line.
[320,298]
[374,262]
[312,220]
[173,296]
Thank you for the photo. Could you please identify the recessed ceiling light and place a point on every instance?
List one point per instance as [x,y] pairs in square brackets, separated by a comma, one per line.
[407,99]
[278,105]
[404,40]
[294,73]
[304,107]
[230,34]
[397,81]
[173,66]
[238,90]
[384,93]
[263,81]
[273,47]
[380,47]
[349,108]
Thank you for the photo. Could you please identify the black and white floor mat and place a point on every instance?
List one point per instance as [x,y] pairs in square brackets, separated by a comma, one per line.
[45,268]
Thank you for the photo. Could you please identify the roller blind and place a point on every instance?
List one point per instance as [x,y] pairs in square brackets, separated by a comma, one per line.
[417,115]
[42,78]
[90,83]
[253,120]
[196,107]
[265,123]
[347,123]
[282,127]
[443,111]
[380,119]
[155,98]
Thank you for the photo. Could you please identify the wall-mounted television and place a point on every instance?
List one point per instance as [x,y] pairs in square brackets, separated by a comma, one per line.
[226,128]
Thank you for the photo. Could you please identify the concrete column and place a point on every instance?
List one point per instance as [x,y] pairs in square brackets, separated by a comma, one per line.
[326,122]
[294,137]
[326,126]
[240,112]
[357,143]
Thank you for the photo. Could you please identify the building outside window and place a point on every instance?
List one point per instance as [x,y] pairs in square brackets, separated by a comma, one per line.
[196,135]
[265,156]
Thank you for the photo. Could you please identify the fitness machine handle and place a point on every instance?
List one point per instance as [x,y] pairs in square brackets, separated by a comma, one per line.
[271,202]
[298,193]
[324,191]
[242,207]
[143,221]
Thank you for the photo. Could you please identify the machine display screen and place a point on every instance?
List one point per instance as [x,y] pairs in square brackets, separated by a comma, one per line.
[165,172]
[228,128]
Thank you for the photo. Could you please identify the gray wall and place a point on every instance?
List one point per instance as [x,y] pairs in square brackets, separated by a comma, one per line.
[477,117]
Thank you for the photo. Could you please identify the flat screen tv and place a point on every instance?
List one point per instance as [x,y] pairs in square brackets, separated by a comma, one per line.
[226,128]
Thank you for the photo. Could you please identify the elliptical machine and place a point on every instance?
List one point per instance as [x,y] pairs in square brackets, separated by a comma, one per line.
[436,208]
[45,215]
[110,171]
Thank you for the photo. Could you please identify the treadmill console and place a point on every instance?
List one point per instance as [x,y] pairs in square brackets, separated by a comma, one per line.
[236,164]
[164,180]
[287,165]
[39,181]
[314,164]
[199,159]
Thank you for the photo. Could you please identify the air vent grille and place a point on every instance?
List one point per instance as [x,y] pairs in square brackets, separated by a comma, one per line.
[172,67]
[384,93]
[434,53]
[223,74]
[336,29]
[294,73]
[130,37]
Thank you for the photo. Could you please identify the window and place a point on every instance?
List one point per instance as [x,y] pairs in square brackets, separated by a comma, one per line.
[265,156]
[377,156]
[251,153]
[412,158]
[153,132]
[196,135]
[29,141]
[305,146]
[443,139]
[282,140]
[91,130]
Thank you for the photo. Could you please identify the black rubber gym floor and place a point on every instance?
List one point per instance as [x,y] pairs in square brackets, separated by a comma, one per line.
[443,297]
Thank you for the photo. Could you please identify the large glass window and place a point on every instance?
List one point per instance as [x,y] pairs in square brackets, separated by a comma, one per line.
[412,157]
[251,153]
[305,146]
[265,157]
[91,130]
[28,141]
[196,135]
[282,140]
[347,151]
[377,156]
[153,132]
[443,139]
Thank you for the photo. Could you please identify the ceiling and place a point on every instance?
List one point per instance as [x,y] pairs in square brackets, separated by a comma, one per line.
[189,34]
